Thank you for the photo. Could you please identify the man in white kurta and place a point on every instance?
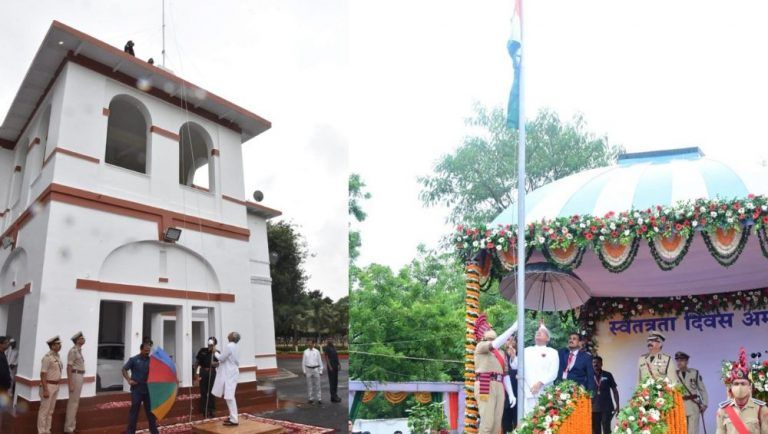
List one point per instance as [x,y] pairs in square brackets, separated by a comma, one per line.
[226,376]
[541,364]
[312,367]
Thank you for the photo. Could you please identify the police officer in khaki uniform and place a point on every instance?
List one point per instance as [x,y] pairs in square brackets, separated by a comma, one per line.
[75,373]
[694,392]
[491,376]
[655,363]
[50,374]
[741,414]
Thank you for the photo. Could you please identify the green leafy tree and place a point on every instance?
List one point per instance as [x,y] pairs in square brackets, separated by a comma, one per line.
[357,194]
[288,252]
[479,180]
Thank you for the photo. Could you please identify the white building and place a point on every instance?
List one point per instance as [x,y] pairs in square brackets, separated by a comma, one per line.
[101,154]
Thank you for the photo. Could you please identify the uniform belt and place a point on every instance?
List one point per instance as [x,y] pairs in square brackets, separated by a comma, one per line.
[313,367]
[77,371]
[690,397]
[492,376]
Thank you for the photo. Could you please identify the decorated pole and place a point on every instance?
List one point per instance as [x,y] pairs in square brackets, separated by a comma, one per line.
[472,306]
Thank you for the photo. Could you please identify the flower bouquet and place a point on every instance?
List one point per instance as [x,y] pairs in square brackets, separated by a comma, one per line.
[564,408]
[652,410]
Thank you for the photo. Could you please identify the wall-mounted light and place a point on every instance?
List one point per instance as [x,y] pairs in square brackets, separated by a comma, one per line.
[172,235]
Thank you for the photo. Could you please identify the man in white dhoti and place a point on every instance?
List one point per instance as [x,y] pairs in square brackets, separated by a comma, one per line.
[541,364]
[226,376]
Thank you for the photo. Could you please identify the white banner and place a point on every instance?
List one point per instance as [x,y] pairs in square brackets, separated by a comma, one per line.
[708,339]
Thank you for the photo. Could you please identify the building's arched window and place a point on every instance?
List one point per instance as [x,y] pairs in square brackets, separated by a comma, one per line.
[19,168]
[195,165]
[38,156]
[127,134]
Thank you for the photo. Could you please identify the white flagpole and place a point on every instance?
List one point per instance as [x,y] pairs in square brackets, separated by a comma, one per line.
[521,234]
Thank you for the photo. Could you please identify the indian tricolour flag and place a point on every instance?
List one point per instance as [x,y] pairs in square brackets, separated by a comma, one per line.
[514,46]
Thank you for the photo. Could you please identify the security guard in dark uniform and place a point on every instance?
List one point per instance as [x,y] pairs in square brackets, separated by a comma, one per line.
[207,362]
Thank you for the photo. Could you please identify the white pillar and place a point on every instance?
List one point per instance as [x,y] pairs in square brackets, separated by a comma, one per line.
[134,318]
[184,344]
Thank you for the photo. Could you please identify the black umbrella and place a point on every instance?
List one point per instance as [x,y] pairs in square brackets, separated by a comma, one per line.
[547,288]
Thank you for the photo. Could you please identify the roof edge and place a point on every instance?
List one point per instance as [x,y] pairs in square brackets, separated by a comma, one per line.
[261,210]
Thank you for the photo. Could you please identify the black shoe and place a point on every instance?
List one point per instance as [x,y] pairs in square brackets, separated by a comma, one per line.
[310,402]
[319,402]
[336,399]
[230,423]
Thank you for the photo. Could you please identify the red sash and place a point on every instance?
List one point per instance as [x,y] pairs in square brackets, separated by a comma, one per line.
[496,353]
[736,420]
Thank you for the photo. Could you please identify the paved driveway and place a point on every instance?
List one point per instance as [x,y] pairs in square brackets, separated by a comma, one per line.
[294,390]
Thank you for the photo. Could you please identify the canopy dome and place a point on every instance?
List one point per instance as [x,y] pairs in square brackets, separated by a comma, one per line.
[640,181]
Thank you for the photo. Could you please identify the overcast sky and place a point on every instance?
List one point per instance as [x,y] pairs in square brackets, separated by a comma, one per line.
[650,75]
[285,60]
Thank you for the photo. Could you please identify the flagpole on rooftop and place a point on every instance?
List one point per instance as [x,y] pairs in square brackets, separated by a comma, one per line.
[521,229]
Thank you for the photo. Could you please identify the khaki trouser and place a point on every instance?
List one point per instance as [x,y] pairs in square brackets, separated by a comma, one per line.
[46,409]
[491,409]
[73,403]
[693,417]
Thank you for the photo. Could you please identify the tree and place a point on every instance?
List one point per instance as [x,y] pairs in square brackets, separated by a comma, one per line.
[289,251]
[479,180]
[356,195]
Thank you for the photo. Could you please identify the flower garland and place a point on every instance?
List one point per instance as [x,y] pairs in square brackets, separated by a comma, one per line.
[472,311]
[655,224]
[656,407]
[564,408]
[760,380]
[601,309]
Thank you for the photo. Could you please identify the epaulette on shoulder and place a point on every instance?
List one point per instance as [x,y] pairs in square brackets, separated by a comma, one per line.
[725,403]
[758,402]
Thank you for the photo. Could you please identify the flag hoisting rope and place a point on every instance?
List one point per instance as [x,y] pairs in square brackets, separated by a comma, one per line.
[516,119]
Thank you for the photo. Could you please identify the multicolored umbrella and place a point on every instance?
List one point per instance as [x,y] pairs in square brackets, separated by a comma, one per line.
[162,383]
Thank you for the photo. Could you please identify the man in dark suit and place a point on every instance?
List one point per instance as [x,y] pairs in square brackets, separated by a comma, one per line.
[575,364]
[603,408]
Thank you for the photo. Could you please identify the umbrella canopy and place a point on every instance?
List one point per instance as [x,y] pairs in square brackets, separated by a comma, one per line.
[162,383]
[643,180]
[547,288]
[639,181]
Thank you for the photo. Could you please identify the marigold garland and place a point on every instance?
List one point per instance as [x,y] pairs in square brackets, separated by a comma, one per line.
[472,302]
[564,408]
[395,398]
[681,219]
[422,397]
[656,407]
[368,396]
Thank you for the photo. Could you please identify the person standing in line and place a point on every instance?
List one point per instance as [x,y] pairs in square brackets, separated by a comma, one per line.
[75,373]
[509,418]
[491,380]
[576,364]
[541,363]
[655,363]
[12,354]
[50,374]
[694,392]
[312,367]
[603,408]
[5,379]
[138,365]
[741,414]
[332,362]
[226,377]
[207,362]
